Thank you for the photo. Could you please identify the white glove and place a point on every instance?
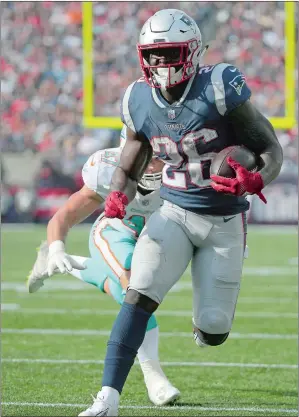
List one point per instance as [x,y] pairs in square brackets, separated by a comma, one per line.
[58,259]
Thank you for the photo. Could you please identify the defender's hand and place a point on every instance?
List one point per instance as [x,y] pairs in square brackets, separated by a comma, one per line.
[245,181]
[115,205]
[58,259]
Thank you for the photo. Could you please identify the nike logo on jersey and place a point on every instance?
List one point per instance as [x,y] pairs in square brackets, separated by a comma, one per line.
[233,70]
[228,219]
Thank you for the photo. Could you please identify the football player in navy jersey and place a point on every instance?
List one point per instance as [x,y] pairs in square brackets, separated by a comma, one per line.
[184,114]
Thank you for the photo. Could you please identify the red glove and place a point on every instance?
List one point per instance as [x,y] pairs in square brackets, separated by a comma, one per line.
[115,205]
[245,181]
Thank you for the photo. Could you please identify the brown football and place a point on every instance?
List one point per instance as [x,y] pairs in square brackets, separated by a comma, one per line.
[244,156]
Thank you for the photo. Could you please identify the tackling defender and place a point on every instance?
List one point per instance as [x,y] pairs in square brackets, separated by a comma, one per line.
[111,245]
[187,114]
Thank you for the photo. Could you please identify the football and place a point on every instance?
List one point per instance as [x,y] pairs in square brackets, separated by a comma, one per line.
[241,154]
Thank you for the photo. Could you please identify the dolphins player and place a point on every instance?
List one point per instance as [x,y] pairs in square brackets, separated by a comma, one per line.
[111,245]
[188,113]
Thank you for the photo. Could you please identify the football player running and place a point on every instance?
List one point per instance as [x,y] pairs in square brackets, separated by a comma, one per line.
[187,114]
[111,245]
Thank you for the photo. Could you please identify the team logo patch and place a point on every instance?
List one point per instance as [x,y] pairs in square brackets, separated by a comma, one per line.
[171,114]
[237,83]
[185,19]
[145,202]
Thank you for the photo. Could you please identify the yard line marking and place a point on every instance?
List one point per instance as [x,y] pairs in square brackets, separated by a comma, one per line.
[16,308]
[293,261]
[184,286]
[10,307]
[69,285]
[167,363]
[170,408]
[100,296]
[84,332]
[265,300]
[51,285]
[269,271]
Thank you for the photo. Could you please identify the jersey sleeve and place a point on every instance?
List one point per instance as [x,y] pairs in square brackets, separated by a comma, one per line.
[125,112]
[230,88]
[123,136]
[98,170]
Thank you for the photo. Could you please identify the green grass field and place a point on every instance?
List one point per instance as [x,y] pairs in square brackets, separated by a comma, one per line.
[53,342]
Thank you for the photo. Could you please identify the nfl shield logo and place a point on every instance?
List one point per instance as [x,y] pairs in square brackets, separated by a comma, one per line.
[171,114]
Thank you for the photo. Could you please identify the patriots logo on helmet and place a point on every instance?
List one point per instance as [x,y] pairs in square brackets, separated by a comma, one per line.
[237,83]
[186,20]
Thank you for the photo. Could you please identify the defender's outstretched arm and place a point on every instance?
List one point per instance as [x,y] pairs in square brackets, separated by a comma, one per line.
[78,207]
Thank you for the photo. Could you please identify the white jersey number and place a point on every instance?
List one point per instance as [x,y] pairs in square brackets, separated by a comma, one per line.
[196,172]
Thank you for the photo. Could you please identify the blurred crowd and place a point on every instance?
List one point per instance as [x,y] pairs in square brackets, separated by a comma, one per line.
[41,66]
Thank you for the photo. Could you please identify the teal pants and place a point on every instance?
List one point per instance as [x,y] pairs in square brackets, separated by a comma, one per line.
[111,254]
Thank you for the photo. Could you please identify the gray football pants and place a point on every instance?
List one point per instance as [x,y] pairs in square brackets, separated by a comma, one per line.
[215,244]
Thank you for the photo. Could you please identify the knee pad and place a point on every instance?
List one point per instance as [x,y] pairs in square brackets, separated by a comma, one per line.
[142,301]
[203,339]
[212,327]
[213,321]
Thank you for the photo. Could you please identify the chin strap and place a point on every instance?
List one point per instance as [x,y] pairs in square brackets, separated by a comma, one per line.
[204,50]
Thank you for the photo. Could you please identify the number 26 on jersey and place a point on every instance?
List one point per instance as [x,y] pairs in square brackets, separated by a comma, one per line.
[185,167]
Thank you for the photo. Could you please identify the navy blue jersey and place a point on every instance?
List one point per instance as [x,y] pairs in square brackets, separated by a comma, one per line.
[189,133]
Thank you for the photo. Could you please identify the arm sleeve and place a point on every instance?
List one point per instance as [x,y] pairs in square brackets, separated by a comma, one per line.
[98,170]
[230,88]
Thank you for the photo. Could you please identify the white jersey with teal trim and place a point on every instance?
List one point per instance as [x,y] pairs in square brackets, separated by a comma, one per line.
[97,173]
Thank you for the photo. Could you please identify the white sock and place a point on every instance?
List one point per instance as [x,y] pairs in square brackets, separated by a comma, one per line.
[148,356]
[75,272]
[149,350]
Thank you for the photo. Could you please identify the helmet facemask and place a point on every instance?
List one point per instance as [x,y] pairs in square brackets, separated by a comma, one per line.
[152,177]
[151,182]
[174,62]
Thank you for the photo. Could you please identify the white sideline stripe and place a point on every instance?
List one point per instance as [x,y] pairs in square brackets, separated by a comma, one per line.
[167,363]
[170,408]
[83,332]
[16,308]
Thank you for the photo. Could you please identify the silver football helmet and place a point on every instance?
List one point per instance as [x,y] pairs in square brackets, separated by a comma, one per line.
[169,28]
[149,182]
